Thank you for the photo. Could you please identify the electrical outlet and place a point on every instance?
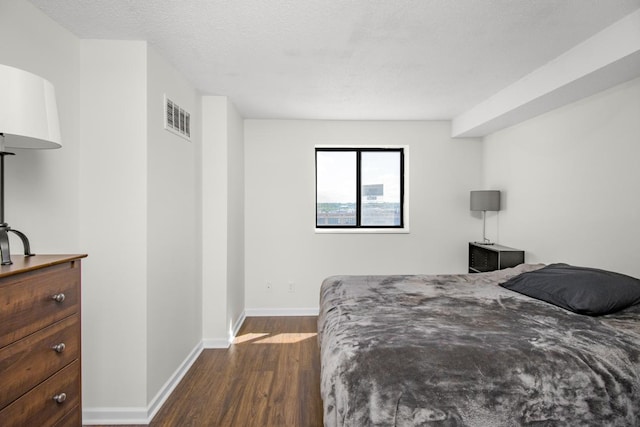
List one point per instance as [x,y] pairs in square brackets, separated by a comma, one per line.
[269,287]
[292,287]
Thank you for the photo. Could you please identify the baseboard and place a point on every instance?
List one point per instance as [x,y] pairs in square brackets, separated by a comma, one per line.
[261,312]
[117,416]
[209,343]
[225,343]
[237,325]
[114,416]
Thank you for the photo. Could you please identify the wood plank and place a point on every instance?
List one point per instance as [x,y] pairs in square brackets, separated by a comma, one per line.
[269,377]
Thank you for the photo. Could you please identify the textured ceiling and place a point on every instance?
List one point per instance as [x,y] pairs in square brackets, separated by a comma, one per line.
[347,59]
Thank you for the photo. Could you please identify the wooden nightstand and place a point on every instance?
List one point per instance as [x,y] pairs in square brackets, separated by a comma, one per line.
[40,341]
[492,257]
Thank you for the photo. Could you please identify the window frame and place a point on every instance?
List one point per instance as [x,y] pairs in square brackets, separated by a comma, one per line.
[403,227]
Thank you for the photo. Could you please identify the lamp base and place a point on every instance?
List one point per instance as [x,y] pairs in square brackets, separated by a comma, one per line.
[486,243]
[5,252]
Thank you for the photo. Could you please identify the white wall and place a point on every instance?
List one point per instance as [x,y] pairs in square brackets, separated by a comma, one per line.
[143,181]
[570,182]
[174,293]
[214,220]
[235,220]
[281,244]
[113,222]
[222,220]
[41,186]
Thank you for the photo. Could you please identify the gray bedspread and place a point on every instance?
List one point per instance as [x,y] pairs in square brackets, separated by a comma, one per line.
[453,350]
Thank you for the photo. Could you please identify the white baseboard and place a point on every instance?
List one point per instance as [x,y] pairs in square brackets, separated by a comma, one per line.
[209,343]
[114,416]
[237,325]
[225,343]
[261,312]
[139,415]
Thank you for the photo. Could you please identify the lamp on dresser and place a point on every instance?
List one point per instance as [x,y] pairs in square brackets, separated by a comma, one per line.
[486,200]
[28,119]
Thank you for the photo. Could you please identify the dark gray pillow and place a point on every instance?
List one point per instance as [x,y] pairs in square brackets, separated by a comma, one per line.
[582,290]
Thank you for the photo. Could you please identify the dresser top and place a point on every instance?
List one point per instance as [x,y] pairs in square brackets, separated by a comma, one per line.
[22,264]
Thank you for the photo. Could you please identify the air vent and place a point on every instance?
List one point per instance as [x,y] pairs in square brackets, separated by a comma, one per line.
[176,119]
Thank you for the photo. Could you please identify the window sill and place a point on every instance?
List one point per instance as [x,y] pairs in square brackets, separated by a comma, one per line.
[362,230]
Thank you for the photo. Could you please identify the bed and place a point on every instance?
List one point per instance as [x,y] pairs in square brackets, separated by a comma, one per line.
[453,350]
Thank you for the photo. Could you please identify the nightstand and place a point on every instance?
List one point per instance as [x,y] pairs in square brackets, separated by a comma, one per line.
[492,257]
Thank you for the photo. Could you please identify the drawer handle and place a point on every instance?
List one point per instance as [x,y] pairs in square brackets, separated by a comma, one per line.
[58,297]
[60,398]
[59,348]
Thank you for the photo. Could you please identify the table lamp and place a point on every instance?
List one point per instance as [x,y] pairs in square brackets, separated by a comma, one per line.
[488,200]
[28,119]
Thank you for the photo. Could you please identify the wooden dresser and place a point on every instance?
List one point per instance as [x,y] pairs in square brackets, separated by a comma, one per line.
[40,383]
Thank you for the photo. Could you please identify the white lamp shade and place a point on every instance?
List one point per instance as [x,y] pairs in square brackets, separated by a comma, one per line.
[28,112]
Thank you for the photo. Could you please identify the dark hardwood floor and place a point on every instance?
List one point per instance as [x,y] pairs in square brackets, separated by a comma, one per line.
[270,376]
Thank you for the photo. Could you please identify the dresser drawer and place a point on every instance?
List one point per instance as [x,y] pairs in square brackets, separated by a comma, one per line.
[27,302]
[38,407]
[72,419]
[25,363]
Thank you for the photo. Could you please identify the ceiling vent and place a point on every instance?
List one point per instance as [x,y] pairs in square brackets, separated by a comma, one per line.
[176,119]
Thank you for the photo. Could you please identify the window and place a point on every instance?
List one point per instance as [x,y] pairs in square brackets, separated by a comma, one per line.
[359,188]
